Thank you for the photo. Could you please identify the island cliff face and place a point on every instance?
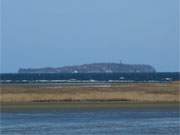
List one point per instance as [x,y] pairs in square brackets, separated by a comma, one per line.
[94,68]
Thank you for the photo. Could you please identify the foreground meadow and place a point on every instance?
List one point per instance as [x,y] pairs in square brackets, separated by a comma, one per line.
[134,92]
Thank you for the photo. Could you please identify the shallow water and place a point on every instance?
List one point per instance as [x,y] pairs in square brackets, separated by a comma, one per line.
[152,121]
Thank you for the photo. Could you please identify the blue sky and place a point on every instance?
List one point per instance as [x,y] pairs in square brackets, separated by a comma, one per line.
[53,33]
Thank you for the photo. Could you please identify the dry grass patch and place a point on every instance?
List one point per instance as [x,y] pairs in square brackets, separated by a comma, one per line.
[167,92]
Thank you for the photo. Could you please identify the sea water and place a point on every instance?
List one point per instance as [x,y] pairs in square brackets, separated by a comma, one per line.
[152,121]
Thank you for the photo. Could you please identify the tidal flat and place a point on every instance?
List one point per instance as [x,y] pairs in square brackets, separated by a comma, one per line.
[86,106]
[109,109]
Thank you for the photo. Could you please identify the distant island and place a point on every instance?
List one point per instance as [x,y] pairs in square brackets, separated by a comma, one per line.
[94,68]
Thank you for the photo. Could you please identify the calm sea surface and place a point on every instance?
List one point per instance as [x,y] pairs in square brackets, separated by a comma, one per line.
[152,121]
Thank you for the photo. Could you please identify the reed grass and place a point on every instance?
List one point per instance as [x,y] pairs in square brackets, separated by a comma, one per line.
[154,92]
